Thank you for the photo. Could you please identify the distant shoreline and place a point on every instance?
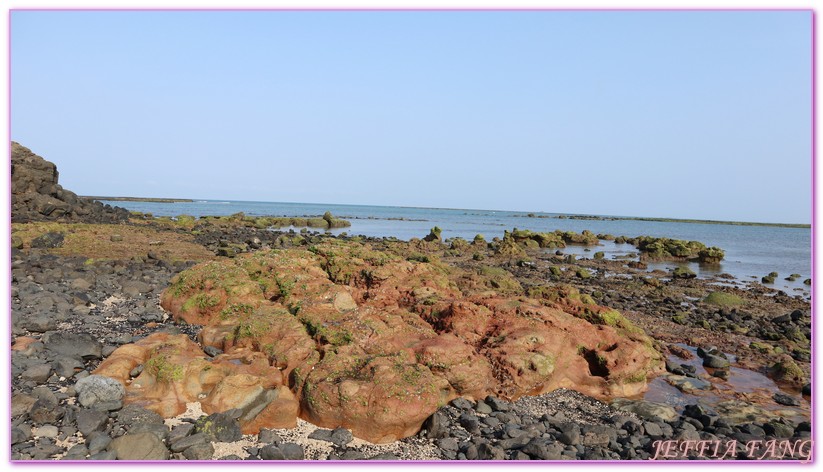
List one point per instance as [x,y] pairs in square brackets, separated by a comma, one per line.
[142,199]
[525,215]
[717,222]
[667,220]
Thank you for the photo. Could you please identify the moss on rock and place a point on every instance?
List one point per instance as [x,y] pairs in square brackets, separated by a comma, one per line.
[683,273]
[434,235]
[509,247]
[583,273]
[723,299]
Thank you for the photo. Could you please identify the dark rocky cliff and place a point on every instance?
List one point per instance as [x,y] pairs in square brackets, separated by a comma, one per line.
[36,195]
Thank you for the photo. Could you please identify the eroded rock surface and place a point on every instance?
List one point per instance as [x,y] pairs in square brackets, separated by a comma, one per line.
[36,195]
[345,336]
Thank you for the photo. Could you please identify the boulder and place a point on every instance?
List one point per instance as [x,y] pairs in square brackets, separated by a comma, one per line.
[683,273]
[282,452]
[199,452]
[38,373]
[89,421]
[337,436]
[133,288]
[219,426]
[688,384]
[197,439]
[715,361]
[434,235]
[48,240]
[46,411]
[96,389]
[784,399]
[74,345]
[139,447]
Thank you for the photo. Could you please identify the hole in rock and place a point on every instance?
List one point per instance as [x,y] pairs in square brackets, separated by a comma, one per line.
[597,364]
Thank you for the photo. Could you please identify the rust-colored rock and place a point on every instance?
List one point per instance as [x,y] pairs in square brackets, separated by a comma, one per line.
[379,397]
[176,372]
[343,335]
[22,343]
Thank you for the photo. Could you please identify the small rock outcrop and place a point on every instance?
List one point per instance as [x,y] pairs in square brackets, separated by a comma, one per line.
[36,195]
[342,335]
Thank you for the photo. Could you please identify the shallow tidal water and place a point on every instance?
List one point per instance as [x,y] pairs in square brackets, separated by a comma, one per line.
[751,251]
[741,384]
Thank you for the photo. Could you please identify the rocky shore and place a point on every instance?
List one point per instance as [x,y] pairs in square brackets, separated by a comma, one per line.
[69,315]
[101,312]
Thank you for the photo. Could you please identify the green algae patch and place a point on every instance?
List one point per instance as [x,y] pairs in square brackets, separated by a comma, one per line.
[667,249]
[585,237]
[508,246]
[723,299]
[683,273]
[500,279]
[113,242]
[536,239]
[459,244]
[163,369]
[786,370]
[609,317]
[711,255]
[327,221]
[435,235]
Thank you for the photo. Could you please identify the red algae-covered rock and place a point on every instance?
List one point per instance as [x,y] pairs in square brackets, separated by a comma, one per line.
[176,371]
[343,335]
[379,397]
[197,296]
[459,363]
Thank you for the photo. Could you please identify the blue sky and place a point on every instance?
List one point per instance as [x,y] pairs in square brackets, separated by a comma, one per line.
[669,114]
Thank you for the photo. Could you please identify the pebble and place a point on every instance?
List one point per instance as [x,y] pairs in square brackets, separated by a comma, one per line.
[97,441]
[89,421]
[220,426]
[182,444]
[269,436]
[787,400]
[715,362]
[282,452]
[199,452]
[45,431]
[139,447]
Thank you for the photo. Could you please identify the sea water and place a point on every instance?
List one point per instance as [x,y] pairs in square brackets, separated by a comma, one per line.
[751,251]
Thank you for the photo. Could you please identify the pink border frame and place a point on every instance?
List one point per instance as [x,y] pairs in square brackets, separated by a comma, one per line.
[814,271]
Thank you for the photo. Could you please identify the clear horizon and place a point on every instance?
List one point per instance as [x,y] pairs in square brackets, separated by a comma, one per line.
[195,199]
[691,115]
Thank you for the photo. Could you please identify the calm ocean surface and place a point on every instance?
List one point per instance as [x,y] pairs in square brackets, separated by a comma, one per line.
[751,251]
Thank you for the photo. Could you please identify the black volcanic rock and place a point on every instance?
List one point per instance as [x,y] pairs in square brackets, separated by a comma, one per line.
[36,195]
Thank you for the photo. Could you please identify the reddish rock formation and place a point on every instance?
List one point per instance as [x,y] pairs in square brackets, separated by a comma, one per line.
[373,342]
